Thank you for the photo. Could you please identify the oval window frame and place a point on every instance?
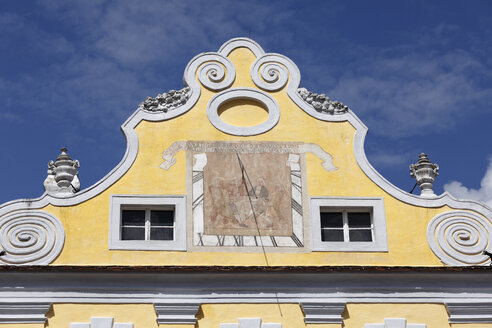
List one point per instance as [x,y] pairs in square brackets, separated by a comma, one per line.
[243,93]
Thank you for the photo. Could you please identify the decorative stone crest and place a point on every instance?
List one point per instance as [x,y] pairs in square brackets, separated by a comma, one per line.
[425,173]
[322,103]
[166,101]
[62,176]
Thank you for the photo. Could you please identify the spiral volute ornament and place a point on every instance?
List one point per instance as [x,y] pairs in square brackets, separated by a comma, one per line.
[459,238]
[217,74]
[269,74]
[31,237]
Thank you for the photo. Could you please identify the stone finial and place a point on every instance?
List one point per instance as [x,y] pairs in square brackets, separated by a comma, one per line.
[425,173]
[322,103]
[166,101]
[62,176]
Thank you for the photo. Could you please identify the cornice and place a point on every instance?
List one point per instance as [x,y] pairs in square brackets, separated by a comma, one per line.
[247,269]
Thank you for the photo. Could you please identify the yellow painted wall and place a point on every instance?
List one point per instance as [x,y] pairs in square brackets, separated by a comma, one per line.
[22,325]
[142,315]
[212,315]
[434,315]
[86,224]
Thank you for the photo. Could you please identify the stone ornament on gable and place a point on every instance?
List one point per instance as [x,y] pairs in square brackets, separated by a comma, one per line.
[166,101]
[322,103]
[31,238]
[213,70]
[459,238]
[62,179]
[269,72]
[425,173]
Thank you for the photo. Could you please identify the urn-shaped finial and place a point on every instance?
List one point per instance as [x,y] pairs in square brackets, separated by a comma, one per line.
[65,169]
[62,175]
[425,173]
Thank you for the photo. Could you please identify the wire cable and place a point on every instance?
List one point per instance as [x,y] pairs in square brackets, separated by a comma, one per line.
[244,176]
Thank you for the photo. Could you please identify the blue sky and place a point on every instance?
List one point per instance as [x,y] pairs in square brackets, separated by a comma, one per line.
[418,73]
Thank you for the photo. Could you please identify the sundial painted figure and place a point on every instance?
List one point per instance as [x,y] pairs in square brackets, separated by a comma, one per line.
[232,203]
[244,192]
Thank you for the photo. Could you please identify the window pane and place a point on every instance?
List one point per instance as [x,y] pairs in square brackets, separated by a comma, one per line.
[133,233]
[161,218]
[161,234]
[331,235]
[133,217]
[359,220]
[331,220]
[360,234]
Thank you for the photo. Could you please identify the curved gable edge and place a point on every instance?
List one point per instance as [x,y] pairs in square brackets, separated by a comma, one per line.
[213,76]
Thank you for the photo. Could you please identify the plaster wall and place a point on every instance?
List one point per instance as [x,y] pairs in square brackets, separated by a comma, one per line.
[141,315]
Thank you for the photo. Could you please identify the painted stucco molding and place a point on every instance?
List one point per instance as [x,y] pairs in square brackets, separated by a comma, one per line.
[101,322]
[176,313]
[174,291]
[250,323]
[243,93]
[30,237]
[323,312]
[469,312]
[23,312]
[395,323]
[459,238]
[215,71]
[206,146]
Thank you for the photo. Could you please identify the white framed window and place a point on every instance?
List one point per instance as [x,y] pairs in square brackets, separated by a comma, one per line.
[147,222]
[355,224]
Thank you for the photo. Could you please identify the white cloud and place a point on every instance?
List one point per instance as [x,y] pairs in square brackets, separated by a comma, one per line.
[483,195]
[106,56]
[111,55]
[411,93]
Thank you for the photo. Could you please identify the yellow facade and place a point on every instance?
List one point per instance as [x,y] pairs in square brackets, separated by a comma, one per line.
[141,315]
[87,225]
[146,177]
